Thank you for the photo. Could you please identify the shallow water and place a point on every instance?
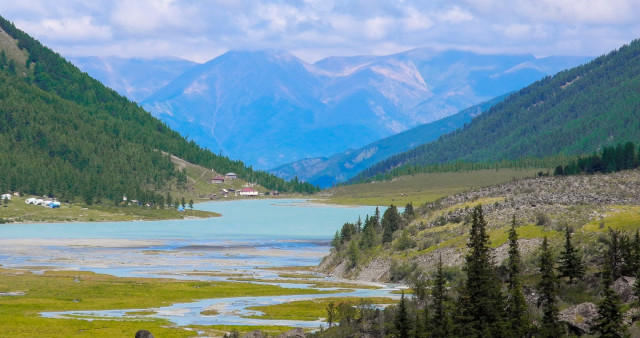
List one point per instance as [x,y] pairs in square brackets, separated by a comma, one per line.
[250,236]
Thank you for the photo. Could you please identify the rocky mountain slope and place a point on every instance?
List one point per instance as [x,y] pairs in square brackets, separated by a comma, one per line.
[543,206]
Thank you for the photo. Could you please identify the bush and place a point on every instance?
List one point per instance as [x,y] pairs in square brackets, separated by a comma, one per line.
[401,270]
[543,219]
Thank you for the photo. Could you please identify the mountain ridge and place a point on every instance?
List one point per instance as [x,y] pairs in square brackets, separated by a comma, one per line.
[327,171]
[575,112]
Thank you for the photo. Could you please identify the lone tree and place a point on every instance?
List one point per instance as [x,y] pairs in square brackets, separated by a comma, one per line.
[550,327]
[570,261]
[518,320]
[481,304]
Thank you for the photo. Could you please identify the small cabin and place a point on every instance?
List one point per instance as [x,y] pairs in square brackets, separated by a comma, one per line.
[217,180]
[231,176]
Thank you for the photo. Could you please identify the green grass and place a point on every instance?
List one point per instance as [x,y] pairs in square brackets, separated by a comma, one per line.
[310,309]
[221,330]
[624,218]
[18,211]
[500,236]
[422,188]
[74,290]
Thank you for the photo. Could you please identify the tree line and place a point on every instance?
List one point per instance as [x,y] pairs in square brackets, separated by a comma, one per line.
[610,159]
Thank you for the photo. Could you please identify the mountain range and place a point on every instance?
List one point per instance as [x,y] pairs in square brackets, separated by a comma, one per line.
[577,111]
[270,108]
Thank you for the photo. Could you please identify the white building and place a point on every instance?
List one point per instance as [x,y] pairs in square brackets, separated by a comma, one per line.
[247,192]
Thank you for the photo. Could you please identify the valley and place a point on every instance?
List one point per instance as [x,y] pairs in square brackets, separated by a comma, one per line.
[409,190]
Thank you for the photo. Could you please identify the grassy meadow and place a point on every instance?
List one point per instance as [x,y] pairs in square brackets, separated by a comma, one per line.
[420,188]
[75,290]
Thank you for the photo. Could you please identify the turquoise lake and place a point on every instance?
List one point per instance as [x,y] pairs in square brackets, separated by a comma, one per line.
[250,239]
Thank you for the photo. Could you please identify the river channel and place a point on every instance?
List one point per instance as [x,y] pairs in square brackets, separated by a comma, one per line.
[251,238]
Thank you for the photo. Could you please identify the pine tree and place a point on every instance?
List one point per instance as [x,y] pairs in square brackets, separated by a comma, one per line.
[391,221]
[548,290]
[409,213]
[441,321]
[481,304]
[609,322]
[570,261]
[615,253]
[336,243]
[519,322]
[402,323]
[353,254]
[635,249]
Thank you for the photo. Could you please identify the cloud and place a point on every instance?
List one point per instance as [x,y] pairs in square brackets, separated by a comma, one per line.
[68,29]
[202,29]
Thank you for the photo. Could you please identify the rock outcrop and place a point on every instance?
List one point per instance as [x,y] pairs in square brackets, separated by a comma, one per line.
[580,317]
[623,286]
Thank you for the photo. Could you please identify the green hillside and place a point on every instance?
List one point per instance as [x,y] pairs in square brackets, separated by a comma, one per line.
[64,134]
[577,111]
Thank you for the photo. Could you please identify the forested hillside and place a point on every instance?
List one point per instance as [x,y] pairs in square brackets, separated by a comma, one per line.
[577,111]
[65,134]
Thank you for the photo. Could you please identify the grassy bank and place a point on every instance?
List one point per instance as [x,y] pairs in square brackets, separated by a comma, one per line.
[16,211]
[314,309]
[74,290]
[421,188]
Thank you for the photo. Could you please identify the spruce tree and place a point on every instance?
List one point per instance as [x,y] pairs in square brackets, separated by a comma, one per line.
[391,221]
[615,253]
[547,288]
[609,322]
[518,320]
[480,303]
[570,261]
[441,320]
[635,249]
[402,323]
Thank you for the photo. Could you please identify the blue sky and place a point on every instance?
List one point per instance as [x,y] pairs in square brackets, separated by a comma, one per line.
[314,29]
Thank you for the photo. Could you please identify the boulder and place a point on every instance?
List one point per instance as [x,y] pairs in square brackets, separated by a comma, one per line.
[255,334]
[144,334]
[623,286]
[579,317]
[295,333]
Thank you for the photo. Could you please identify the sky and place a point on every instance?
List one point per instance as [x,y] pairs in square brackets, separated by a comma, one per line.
[200,30]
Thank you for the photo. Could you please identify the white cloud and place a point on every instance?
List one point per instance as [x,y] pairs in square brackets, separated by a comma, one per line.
[67,29]
[416,21]
[456,15]
[312,29]
[153,16]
